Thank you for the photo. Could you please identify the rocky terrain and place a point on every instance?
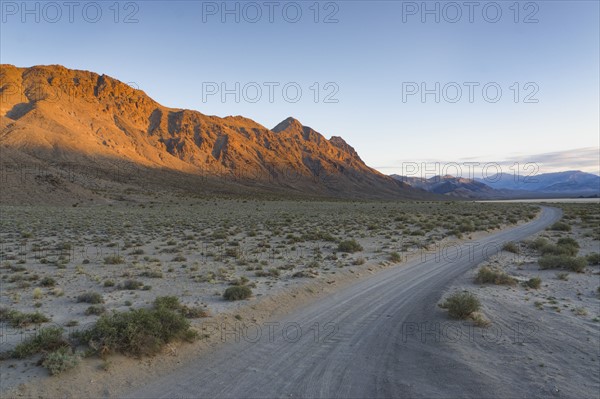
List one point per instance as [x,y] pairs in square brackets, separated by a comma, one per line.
[73,136]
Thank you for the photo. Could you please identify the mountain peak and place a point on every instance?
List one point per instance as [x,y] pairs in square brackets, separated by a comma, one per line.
[84,118]
[287,123]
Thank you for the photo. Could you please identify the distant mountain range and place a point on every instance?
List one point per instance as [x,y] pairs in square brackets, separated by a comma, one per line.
[69,135]
[559,184]
[573,181]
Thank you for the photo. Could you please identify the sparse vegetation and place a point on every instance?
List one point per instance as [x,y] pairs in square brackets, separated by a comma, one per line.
[19,319]
[560,226]
[395,257]
[90,297]
[139,332]
[237,292]
[45,340]
[461,305]
[534,282]
[487,275]
[60,360]
[114,260]
[562,262]
[511,247]
[350,246]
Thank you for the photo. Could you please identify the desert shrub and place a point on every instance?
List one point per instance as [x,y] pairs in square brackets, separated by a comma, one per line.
[47,339]
[562,262]
[37,292]
[167,302]
[538,243]
[95,310]
[511,247]
[534,282]
[192,312]
[137,332]
[350,246]
[237,292]
[358,261]
[461,304]
[487,275]
[395,257]
[19,319]
[60,360]
[551,249]
[568,241]
[304,273]
[152,274]
[113,260]
[593,258]
[90,297]
[131,285]
[270,273]
[47,282]
[109,283]
[560,226]
[562,276]
[172,303]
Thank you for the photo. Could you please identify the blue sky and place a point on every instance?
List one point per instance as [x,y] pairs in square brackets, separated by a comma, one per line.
[365,61]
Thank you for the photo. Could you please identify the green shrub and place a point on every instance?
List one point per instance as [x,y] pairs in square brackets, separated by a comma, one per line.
[47,282]
[47,339]
[395,257]
[534,283]
[167,302]
[109,283]
[487,275]
[593,258]
[511,247]
[559,250]
[113,260]
[90,297]
[237,292]
[562,262]
[538,243]
[172,303]
[461,304]
[20,319]
[60,360]
[138,332]
[560,226]
[568,241]
[131,285]
[350,246]
[562,276]
[152,274]
[193,312]
[95,310]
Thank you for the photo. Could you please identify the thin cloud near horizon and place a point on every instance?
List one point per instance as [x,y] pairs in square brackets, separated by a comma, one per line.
[586,159]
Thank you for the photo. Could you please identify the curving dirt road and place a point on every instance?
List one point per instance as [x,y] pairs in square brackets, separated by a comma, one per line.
[353,344]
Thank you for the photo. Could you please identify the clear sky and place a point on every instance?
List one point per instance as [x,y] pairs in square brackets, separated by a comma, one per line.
[370,60]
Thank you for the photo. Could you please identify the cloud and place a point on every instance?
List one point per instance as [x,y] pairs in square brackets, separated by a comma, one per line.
[586,159]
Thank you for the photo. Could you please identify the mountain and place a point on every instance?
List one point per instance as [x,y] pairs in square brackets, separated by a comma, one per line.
[561,184]
[572,182]
[71,135]
[451,186]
